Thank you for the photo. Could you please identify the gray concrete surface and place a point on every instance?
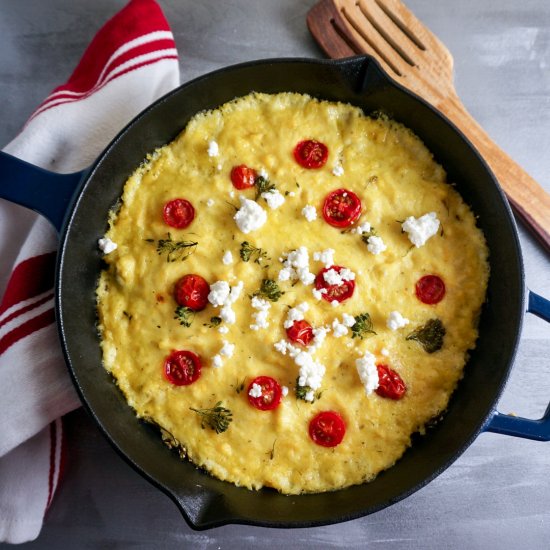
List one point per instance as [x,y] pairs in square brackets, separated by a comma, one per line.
[496,495]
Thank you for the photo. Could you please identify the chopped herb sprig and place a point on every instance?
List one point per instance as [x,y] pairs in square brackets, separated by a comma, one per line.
[248,252]
[174,250]
[302,391]
[263,185]
[269,290]
[362,326]
[430,335]
[216,418]
[214,322]
[184,315]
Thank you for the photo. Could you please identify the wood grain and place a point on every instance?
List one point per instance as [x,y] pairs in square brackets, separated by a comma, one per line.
[414,57]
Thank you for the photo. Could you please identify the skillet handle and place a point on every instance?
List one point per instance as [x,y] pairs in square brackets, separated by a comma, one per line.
[538,430]
[45,192]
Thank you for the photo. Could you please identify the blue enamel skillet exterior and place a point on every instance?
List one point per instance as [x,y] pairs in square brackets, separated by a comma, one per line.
[78,204]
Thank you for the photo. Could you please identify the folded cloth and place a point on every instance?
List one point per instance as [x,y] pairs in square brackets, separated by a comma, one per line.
[131,62]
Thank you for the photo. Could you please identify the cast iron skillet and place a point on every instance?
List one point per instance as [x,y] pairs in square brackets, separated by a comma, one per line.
[206,502]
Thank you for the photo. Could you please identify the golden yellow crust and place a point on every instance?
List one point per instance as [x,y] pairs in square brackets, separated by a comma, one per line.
[396,177]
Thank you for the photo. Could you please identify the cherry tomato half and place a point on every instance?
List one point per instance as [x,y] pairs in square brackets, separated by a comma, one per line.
[300,332]
[243,177]
[178,213]
[327,429]
[430,289]
[390,384]
[311,153]
[182,367]
[192,291]
[339,292]
[341,208]
[271,393]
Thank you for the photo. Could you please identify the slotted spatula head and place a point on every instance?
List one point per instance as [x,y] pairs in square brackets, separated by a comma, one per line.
[388,31]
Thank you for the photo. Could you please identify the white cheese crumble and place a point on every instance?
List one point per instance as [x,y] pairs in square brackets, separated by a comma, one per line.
[250,216]
[319,335]
[318,294]
[295,314]
[348,320]
[263,173]
[210,202]
[292,194]
[255,390]
[338,329]
[296,266]
[333,277]
[309,212]
[368,373]
[385,352]
[375,244]
[335,303]
[284,391]
[365,227]
[421,229]
[273,198]
[221,294]
[261,315]
[106,245]
[338,170]
[213,149]
[223,330]
[325,256]
[227,350]
[396,321]
[227,258]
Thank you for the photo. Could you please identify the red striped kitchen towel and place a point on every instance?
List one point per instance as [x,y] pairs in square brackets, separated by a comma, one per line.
[130,62]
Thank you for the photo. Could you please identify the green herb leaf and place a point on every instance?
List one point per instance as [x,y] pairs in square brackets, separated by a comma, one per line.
[263,185]
[214,322]
[269,290]
[362,326]
[217,418]
[302,391]
[248,251]
[430,335]
[174,250]
[184,315]
[240,386]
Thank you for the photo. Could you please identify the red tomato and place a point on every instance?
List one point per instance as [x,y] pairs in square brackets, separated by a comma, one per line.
[327,429]
[334,292]
[271,393]
[192,291]
[341,208]
[300,332]
[311,153]
[390,384]
[430,289]
[182,367]
[243,177]
[178,213]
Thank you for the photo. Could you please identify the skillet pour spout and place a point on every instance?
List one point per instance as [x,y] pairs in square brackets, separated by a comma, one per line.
[207,502]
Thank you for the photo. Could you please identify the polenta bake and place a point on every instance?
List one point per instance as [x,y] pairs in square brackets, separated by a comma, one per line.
[291,292]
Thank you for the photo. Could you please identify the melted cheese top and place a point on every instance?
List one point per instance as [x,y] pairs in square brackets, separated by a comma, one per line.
[396,177]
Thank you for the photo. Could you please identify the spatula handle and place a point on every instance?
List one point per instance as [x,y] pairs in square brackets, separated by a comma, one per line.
[528,199]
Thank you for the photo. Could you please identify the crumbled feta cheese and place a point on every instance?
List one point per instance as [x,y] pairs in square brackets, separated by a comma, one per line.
[309,396]
[296,266]
[365,227]
[260,317]
[338,170]
[319,335]
[284,347]
[227,349]
[396,321]
[292,194]
[263,173]
[213,149]
[335,303]
[311,372]
[384,352]
[347,274]
[273,198]
[295,314]
[106,245]
[325,256]
[338,329]
[332,277]
[228,315]
[284,391]
[227,258]
[223,330]
[219,293]
[309,213]
[375,245]
[286,274]
[250,216]
[421,229]
[210,202]
[368,373]
[255,390]
[217,361]
[317,294]
[348,320]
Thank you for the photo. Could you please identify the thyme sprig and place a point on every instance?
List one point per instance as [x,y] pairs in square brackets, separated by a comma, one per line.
[263,185]
[217,417]
[302,391]
[269,290]
[362,326]
[248,251]
[174,250]
[184,315]
[430,335]
[214,322]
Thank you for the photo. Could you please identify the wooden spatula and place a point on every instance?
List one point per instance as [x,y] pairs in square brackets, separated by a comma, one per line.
[416,59]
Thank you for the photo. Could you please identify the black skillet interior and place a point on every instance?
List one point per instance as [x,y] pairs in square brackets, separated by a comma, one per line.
[207,502]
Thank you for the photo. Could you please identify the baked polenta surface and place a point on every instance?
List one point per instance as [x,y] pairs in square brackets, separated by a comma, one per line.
[334,259]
